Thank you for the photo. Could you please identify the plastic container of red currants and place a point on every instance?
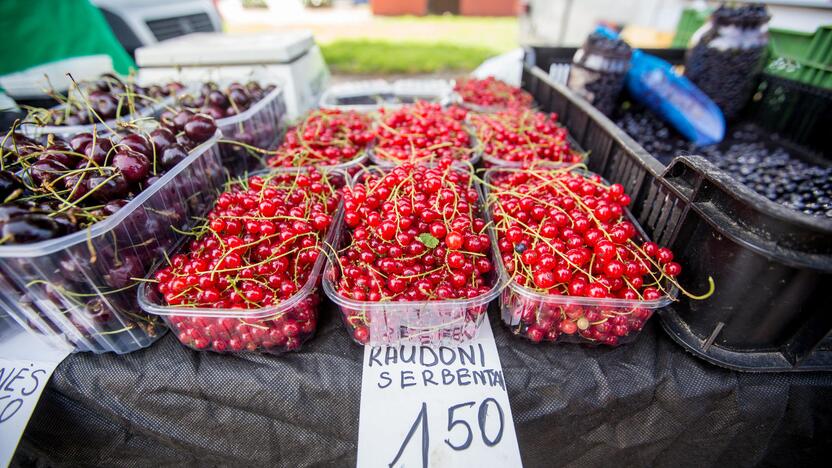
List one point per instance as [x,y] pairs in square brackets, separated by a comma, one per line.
[521,137]
[476,155]
[539,316]
[326,139]
[82,286]
[271,329]
[422,322]
[372,95]
[490,95]
[261,126]
[399,136]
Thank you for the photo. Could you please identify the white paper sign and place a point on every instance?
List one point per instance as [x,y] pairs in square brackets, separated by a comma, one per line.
[26,363]
[436,407]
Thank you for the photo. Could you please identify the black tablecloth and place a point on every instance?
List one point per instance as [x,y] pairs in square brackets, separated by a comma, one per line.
[647,403]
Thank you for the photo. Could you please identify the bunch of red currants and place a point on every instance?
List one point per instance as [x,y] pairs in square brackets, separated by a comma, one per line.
[260,247]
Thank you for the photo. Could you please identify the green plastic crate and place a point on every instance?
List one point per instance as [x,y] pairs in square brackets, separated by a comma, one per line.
[820,50]
[804,57]
[791,44]
[691,20]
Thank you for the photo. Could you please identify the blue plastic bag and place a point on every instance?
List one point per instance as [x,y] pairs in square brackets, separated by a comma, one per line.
[652,82]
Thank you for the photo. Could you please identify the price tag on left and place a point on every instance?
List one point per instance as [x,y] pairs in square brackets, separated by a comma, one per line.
[26,364]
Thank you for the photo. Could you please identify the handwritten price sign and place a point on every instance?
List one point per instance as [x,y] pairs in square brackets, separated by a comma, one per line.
[26,363]
[436,407]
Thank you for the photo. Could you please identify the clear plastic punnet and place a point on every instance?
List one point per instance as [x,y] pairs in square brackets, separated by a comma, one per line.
[372,95]
[459,96]
[476,155]
[523,309]
[262,126]
[490,161]
[273,330]
[82,286]
[432,323]
[493,161]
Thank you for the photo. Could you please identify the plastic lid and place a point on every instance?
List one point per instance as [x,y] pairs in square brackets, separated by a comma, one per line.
[222,49]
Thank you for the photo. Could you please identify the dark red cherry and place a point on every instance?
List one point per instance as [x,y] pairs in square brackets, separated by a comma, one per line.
[173,155]
[200,128]
[137,143]
[181,118]
[107,184]
[134,165]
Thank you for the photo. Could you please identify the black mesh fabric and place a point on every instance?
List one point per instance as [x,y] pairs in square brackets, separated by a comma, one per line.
[646,403]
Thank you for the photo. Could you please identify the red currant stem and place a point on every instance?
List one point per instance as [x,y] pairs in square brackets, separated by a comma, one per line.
[242,248]
[263,218]
[640,296]
[360,319]
[195,232]
[494,195]
[424,273]
[263,284]
[332,190]
[267,260]
[530,231]
[656,281]
[711,284]
[526,268]
[585,208]
[537,235]
[236,290]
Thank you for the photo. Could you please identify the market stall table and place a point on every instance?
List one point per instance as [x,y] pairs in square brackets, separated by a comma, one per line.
[647,403]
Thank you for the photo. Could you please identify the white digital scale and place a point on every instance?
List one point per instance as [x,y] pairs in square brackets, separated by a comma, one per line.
[291,59]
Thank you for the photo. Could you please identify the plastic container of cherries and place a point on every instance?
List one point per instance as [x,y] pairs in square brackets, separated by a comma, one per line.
[260,126]
[259,123]
[122,107]
[426,319]
[81,286]
[540,316]
[249,325]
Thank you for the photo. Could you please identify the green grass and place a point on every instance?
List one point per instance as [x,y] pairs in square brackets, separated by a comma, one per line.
[498,34]
[366,56]
[410,44]
[381,45]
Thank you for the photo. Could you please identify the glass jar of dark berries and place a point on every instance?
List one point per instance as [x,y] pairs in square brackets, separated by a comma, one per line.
[726,55]
[598,71]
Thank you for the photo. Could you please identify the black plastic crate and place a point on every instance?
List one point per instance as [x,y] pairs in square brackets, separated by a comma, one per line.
[792,110]
[544,57]
[772,266]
